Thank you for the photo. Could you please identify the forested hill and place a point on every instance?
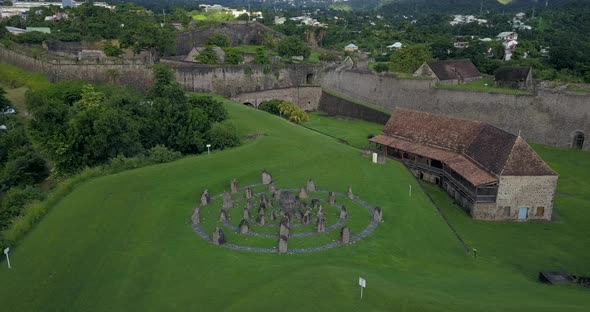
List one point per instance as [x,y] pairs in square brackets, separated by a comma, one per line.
[468,6]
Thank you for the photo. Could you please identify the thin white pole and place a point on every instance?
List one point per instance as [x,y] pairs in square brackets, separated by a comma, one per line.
[410,190]
[8,260]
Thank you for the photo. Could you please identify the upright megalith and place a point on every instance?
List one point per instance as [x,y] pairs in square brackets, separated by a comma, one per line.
[266,177]
[246,214]
[263,200]
[350,194]
[271,187]
[345,235]
[377,214]
[310,186]
[273,215]
[277,194]
[343,213]
[218,237]
[284,226]
[205,198]
[244,227]
[283,244]
[234,186]
[260,220]
[331,198]
[249,193]
[223,216]
[315,203]
[302,194]
[196,217]
[306,217]
[321,224]
[227,201]
[249,203]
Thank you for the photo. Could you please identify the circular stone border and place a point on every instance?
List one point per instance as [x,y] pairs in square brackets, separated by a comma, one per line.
[353,239]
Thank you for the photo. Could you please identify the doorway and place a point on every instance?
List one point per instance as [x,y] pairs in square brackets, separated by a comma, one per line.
[523,213]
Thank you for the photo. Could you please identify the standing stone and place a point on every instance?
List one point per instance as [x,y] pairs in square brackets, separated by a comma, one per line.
[273,216]
[331,198]
[315,203]
[350,194]
[249,203]
[263,200]
[284,227]
[266,177]
[205,198]
[377,214]
[223,216]
[271,187]
[298,215]
[321,210]
[343,213]
[244,228]
[302,194]
[321,224]
[260,219]
[283,244]
[227,202]
[249,193]
[261,210]
[310,186]
[345,235]
[306,218]
[276,195]
[234,186]
[218,237]
[246,214]
[196,216]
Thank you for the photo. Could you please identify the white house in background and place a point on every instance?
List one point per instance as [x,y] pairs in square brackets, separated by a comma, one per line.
[509,48]
[351,48]
[395,46]
[280,20]
[507,36]
[486,39]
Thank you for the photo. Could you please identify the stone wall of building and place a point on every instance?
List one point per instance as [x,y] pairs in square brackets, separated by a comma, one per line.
[547,117]
[529,192]
[307,98]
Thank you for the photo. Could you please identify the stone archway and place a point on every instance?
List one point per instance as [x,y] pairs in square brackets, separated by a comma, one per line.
[249,104]
[310,78]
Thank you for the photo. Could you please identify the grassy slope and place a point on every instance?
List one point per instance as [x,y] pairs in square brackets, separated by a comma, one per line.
[123,242]
[486,84]
[340,128]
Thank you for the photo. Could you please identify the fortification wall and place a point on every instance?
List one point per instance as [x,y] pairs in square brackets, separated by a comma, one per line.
[308,98]
[337,105]
[548,117]
[238,32]
[233,80]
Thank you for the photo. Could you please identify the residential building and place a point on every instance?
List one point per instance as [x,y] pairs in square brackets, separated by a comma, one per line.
[449,71]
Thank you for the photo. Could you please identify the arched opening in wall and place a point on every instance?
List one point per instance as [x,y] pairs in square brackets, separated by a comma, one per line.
[578,140]
[310,78]
[249,104]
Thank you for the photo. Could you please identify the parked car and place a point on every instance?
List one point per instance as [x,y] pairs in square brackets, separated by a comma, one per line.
[9,111]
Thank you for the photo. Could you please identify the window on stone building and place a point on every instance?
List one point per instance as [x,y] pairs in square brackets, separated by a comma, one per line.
[540,211]
[506,211]
[578,140]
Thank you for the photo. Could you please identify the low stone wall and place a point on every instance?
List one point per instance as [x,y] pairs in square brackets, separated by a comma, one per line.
[307,98]
[333,104]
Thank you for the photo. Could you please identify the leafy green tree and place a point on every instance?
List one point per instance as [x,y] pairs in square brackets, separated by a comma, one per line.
[218,39]
[293,46]
[269,41]
[90,98]
[233,56]
[381,67]
[207,56]
[111,51]
[222,136]
[212,107]
[408,59]
[4,102]
[243,17]
[261,57]
[23,167]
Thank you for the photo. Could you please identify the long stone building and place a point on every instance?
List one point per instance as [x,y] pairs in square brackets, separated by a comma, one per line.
[490,173]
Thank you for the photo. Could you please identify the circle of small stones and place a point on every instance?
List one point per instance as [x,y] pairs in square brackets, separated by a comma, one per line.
[353,239]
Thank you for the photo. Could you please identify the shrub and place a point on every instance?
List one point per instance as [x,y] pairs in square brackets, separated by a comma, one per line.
[381,67]
[271,106]
[293,112]
[218,39]
[222,136]
[233,56]
[14,202]
[160,154]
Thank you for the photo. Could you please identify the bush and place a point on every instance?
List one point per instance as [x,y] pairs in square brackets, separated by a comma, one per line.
[284,109]
[233,56]
[293,46]
[14,202]
[222,136]
[160,154]
[218,39]
[212,107]
[381,67]
[271,106]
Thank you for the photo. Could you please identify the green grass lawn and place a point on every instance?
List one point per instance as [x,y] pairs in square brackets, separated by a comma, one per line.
[16,96]
[340,127]
[124,243]
[486,84]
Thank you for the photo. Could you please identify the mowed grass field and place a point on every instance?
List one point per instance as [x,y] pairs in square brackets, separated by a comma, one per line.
[124,243]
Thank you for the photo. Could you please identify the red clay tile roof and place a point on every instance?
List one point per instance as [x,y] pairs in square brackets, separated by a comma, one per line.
[481,146]
[454,69]
[470,171]
[430,129]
